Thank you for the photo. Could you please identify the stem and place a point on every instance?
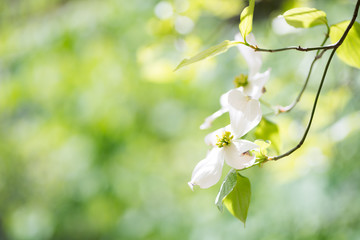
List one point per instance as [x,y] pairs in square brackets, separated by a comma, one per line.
[265,103]
[312,112]
[302,49]
[255,164]
[317,57]
[298,48]
[320,86]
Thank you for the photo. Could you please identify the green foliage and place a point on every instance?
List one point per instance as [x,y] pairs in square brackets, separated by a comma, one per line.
[267,130]
[226,187]
[349,51]
[210,52]
[305,17]
[263,153]
[246,19]
[238,200]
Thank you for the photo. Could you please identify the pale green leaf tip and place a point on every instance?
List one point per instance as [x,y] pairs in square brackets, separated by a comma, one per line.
[180,65]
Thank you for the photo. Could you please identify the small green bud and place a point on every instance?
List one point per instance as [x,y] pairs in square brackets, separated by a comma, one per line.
[241,81]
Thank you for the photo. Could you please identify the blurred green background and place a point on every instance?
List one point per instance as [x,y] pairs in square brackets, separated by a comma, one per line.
[98,136]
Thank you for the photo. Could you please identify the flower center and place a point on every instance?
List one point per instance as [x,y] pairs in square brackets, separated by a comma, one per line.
[224,140]
[241,81]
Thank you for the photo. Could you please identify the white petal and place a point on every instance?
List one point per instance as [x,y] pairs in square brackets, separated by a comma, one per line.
[245,113]
[237,99]
[256,84]
[208,121]
[244,145]
[236,154]
[253,111]
[208,171]
[260,79]
[252,58]
[238,123]
[224,100]
[224,108]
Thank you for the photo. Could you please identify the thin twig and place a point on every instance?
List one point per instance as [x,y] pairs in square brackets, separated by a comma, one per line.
[298,48]
[304,49]
[318,55]
[312,112]
[320,86]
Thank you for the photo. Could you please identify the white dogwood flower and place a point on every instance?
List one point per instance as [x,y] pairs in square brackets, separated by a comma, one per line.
[226,143]
[235,152]
[254,83]
[251,85]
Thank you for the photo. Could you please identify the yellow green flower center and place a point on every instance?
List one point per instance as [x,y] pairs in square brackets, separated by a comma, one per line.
[224,140]
[241,81]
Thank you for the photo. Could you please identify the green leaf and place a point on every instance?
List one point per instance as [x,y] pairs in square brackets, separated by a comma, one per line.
[226,187]
[267,130]
[246,19]
[305,17]
[238,200]
[264,145]
[210,52]
[349,51]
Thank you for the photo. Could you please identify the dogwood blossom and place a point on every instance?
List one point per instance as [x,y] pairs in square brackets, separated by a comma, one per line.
[251,85]
[256,81]
[245,114]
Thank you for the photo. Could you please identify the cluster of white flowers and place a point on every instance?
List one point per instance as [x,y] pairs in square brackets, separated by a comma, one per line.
[243,106]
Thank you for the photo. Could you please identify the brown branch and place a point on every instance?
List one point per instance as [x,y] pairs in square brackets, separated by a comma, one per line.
[304,49]
[337,45]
